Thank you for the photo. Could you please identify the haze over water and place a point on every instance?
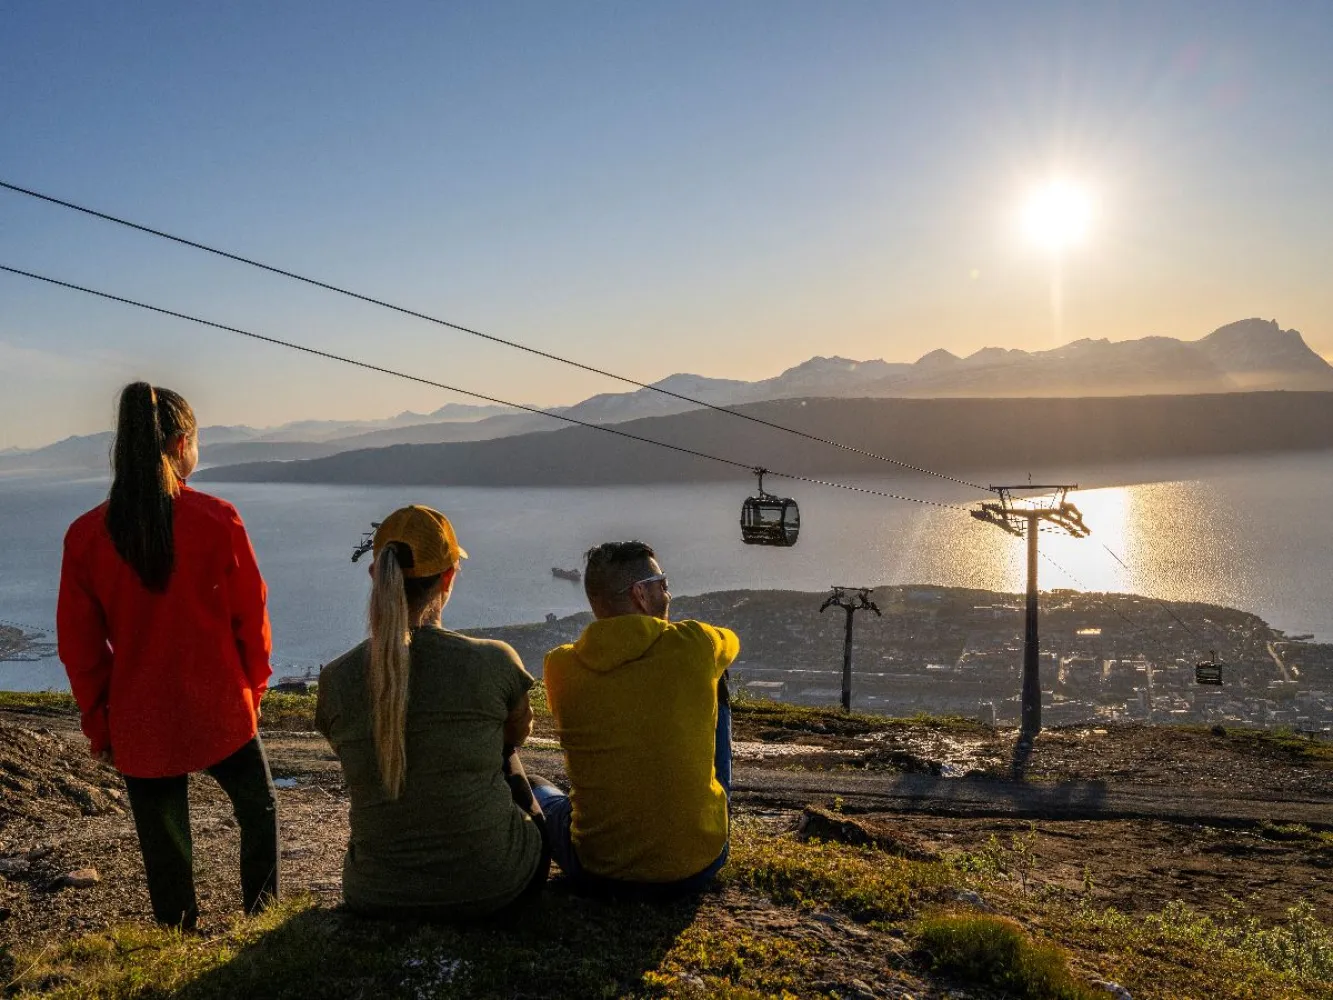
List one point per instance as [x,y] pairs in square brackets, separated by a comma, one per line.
[1249,533]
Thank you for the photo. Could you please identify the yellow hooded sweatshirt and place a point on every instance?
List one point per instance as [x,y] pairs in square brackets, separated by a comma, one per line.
[635,706]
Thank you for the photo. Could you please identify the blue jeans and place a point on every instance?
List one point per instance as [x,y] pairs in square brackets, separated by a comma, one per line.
[557,809]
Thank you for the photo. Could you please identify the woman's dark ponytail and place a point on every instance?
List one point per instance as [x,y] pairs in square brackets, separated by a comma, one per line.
[144,482]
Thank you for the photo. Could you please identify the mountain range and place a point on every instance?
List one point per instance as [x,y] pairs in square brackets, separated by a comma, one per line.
[1250,355]
[959,437]
[1246,356]
[239,443]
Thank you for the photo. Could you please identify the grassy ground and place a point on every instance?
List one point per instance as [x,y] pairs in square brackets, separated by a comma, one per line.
[39,701]
[967,920]
[297,712]
[791,917]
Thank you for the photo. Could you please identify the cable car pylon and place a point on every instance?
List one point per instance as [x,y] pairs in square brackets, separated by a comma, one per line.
[367,542]
[1058,511]
[851,605]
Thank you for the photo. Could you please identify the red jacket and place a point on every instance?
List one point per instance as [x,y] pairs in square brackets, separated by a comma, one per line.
[169,681]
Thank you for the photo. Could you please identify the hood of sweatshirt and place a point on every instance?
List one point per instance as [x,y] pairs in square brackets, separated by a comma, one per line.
[609,642]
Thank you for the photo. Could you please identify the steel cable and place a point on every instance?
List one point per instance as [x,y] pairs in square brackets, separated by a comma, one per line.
[477,333]
[291,345]
[1164,605]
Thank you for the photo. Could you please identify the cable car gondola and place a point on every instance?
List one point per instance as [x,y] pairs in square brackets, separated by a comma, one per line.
[1208,671]
[769,520]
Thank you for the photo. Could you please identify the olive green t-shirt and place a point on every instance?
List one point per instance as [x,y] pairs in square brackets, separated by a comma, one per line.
[454,839]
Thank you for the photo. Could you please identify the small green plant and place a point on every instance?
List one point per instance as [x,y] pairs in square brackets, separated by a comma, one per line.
[1025,857]
[740,696]
[997,953]
[988,861]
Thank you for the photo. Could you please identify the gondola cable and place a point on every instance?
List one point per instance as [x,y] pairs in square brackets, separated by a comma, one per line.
[1207,672]
[1165,607]
[477,333]
[465,392]
[1151,635]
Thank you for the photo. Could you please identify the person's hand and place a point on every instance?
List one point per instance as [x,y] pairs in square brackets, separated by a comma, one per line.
[105,756]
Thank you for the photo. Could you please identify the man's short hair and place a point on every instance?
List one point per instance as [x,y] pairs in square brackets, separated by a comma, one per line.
[613,567]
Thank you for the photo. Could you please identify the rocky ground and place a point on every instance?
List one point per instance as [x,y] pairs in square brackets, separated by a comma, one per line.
[69,860]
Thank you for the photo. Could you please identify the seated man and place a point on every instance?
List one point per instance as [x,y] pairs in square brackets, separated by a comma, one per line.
[642,715]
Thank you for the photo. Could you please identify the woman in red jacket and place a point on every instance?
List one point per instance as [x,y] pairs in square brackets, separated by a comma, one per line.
[164,635]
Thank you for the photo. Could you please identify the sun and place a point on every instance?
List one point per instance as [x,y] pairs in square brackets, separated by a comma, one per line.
[1058,214]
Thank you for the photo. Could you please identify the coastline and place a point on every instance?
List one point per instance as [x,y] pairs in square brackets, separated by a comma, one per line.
[958,650]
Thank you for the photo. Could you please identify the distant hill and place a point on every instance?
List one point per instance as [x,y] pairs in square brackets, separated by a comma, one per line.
[435,432]
[952,436]
[1251,355]
[298,439]
[329,430]
[92,452]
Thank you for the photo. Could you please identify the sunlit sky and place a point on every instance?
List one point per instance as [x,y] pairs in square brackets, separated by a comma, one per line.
[722,188]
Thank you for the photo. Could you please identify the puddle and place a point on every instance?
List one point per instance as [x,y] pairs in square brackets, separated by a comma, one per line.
[753,750]
[954,756]
[286,783]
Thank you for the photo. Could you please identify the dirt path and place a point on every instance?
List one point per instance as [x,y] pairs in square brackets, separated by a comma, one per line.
[990,797]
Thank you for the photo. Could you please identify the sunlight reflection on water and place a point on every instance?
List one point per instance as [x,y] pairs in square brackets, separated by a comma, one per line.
[1210,532]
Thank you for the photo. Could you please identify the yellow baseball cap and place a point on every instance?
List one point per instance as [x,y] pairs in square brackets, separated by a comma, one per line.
[428,535]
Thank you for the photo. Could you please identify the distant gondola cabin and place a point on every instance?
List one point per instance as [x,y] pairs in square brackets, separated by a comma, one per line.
[1208,672]
[770,520]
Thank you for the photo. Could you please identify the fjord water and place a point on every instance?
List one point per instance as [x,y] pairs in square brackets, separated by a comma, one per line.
[1253,533]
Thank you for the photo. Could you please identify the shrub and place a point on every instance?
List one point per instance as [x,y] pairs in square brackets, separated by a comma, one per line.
[288,711]
[996,952]
[1301,945]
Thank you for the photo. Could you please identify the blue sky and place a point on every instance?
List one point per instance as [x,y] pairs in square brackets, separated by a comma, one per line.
[724,188]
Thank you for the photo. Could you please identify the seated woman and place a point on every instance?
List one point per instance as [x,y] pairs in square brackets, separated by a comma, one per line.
[426,723]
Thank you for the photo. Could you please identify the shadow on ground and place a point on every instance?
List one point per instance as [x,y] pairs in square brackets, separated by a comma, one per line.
[562,946]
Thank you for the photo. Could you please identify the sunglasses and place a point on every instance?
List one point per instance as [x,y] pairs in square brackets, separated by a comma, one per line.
[655,578]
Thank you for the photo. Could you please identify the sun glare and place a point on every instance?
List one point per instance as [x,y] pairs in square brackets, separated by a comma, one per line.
[1057,215]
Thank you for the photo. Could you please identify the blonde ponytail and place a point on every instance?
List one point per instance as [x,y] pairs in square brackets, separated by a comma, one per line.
[390,661]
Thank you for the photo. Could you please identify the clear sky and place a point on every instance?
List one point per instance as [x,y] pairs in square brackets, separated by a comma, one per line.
[726,188]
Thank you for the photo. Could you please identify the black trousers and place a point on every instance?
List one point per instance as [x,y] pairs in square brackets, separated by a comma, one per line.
[161,808]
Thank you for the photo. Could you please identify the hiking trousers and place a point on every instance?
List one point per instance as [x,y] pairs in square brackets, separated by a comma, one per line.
[161,808]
